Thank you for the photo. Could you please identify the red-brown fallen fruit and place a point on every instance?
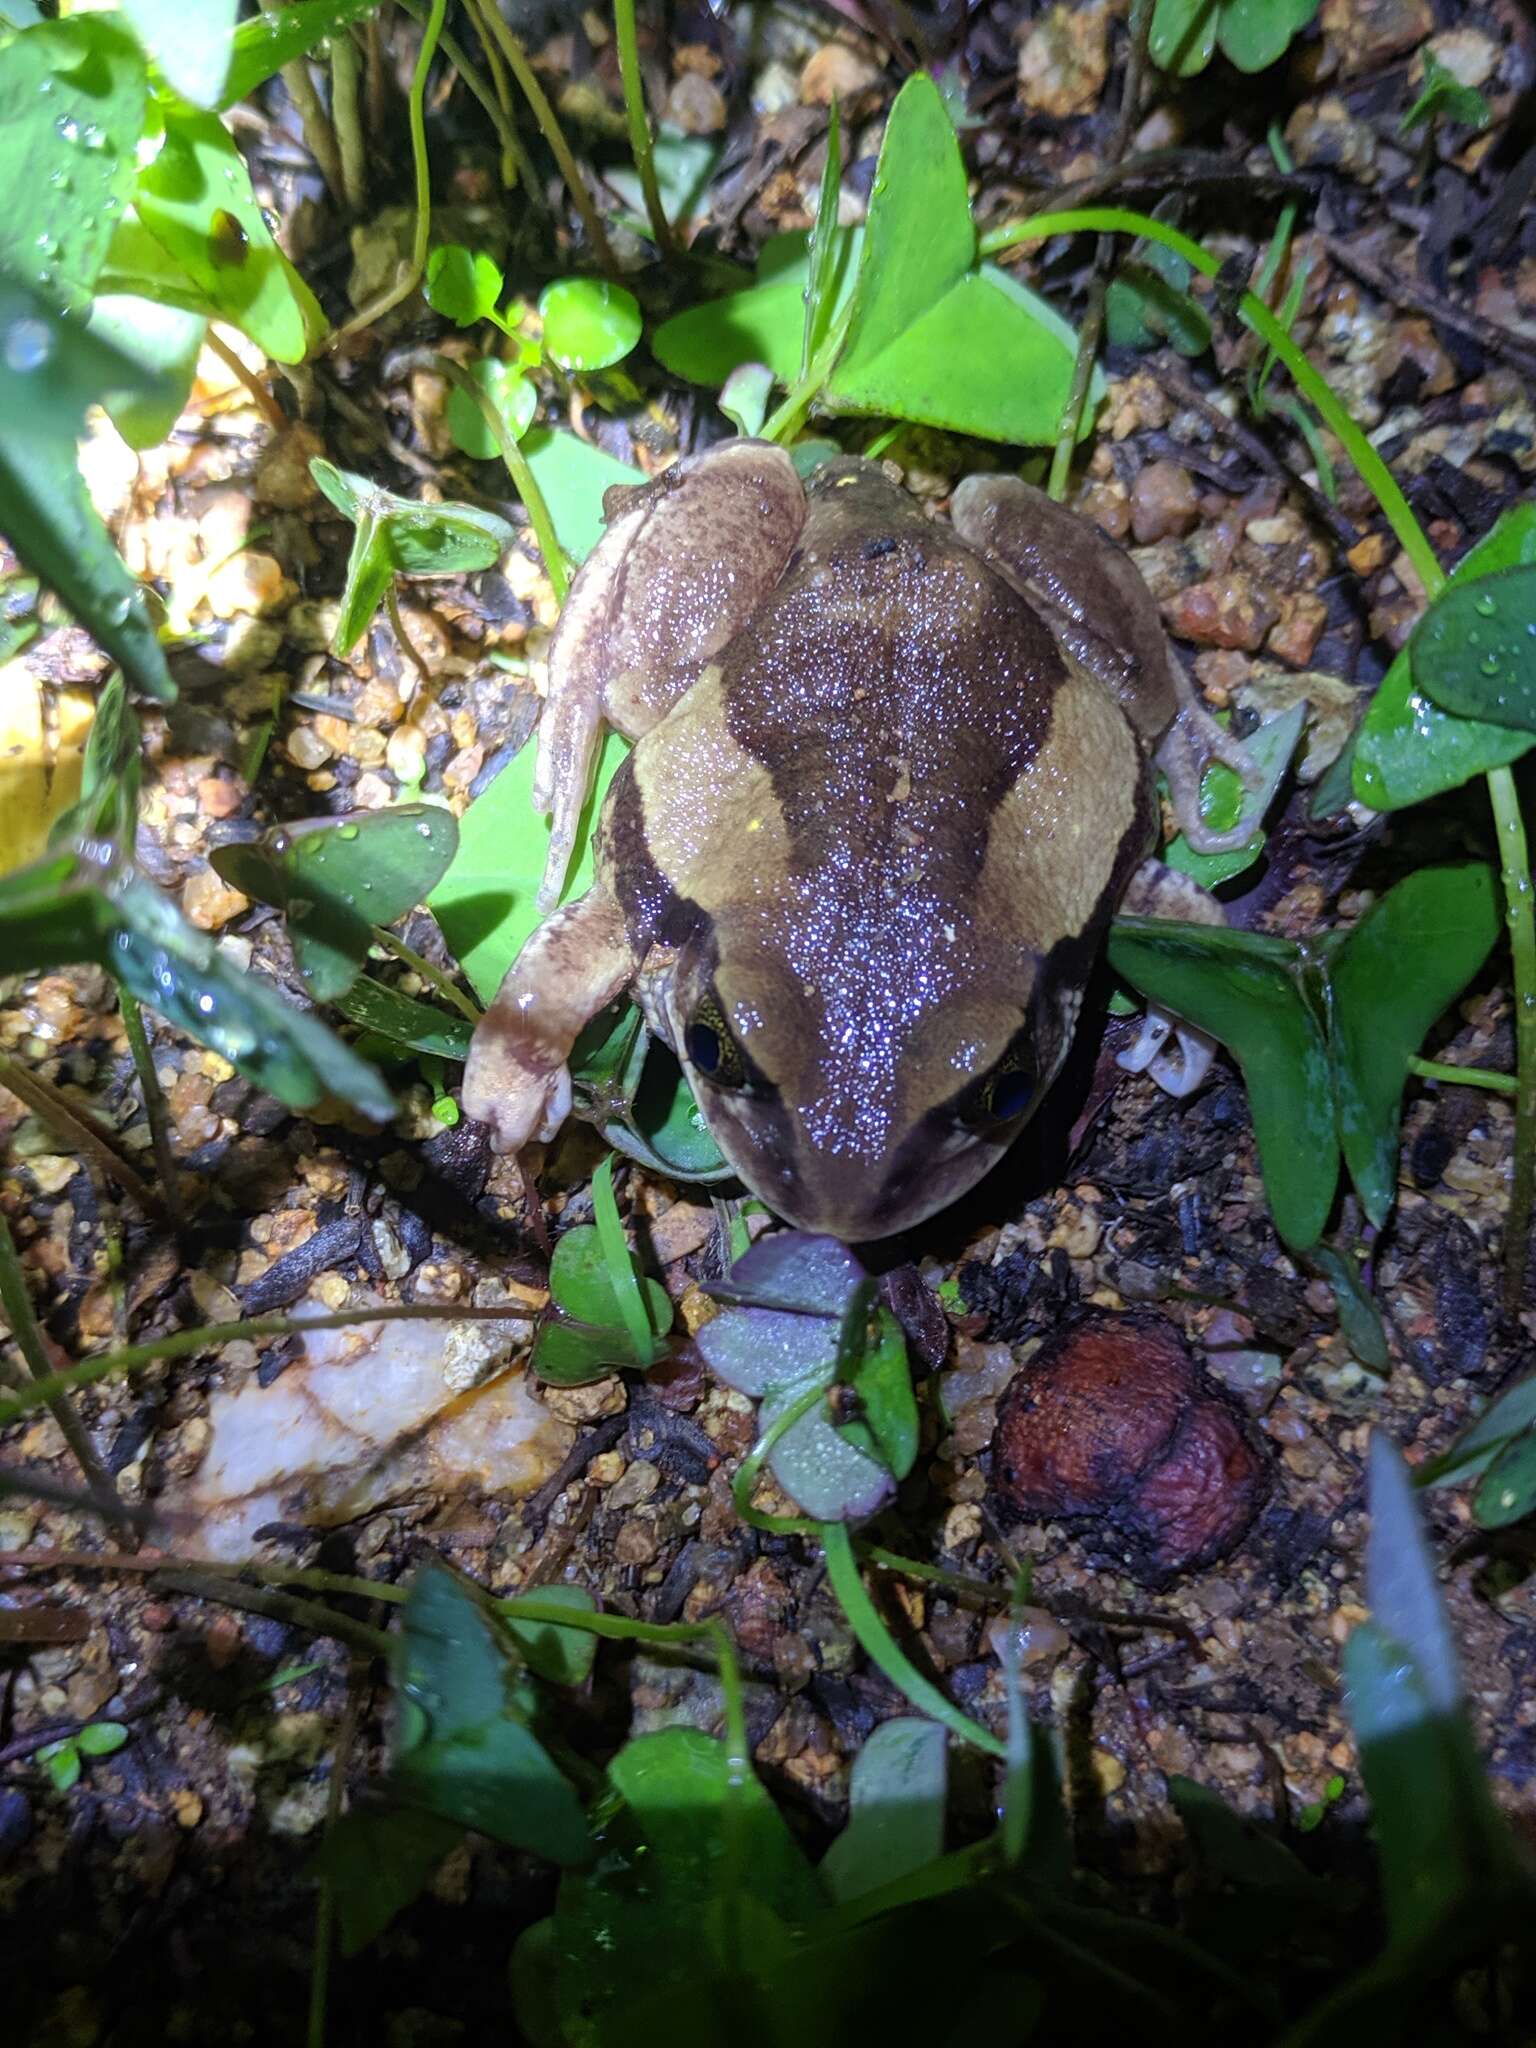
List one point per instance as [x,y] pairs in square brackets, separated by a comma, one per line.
[1113,1430]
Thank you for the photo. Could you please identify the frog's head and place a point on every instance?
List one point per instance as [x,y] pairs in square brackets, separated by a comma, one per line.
[860,1075]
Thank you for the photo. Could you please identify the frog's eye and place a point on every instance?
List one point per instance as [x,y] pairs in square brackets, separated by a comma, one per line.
[1003,1094]
[711,1048]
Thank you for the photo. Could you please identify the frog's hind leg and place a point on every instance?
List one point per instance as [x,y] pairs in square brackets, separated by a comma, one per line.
[1092,596]
[683,565]
[516,1079]
[1176,1055]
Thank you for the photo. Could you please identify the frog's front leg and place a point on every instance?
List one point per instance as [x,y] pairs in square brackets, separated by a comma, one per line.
[682,567]
[1092,596]
[1177,1055]
[516,1079]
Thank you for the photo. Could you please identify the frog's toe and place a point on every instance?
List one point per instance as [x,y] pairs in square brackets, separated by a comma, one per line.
[512,1086]
[1187,749]
[1175,1054]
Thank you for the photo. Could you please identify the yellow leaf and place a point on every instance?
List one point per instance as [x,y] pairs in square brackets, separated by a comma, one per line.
[42,748]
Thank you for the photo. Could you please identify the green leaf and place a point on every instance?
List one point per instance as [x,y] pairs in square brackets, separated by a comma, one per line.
[190,46]
[588,325]
[1507,1491]
[417,1027]
[515,399]
[370,575]
[1359,1317]
[165,341]
[52,368]
[337,879]
[1226,802]
[477,1762]
[263,45]
[1505,1419]
[1256,33]
[763,324]
[744,397]
[684,166]
[563,1656]
[464,285]
[572,476]
[629,1086]
[590,1336]
[101,1738]
[72,99]
[1149,303]
[637,1314]
[882,1388]
[1474,652]
[377,1859]
[896,1802]
[61,1760]
[195,200]
[47,516]
[1183,37]
[486,901]
[990,358]
[181,972]
[822,281]
[1247,991]
[1402,966]
[1444,93]
[1408,749]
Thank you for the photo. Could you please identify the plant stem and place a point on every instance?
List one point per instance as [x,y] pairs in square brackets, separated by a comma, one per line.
[407,645]
[496,104]
[346,80]
[19,1313]
[465,1005]
[1515,868]
[261,397]
[554,135]
[884,1652]
[1469,1077]
[80,1132]
[639,123]
[803,395]
[409,275]
[184,1343]
[319,136]
[1255,314]
[523,481]
[154,1104]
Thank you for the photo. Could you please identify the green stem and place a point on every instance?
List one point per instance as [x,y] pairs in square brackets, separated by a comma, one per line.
[882,1649]
[517,468]
[554,135]
[639,124]
[958,1583]
[154,1103]
[346,83]
[1469,1077]
[464,1004]
[1256,315]
[1515,867]
[185,1343]
[16,1301]
[496,104]
[1071,420]
[319,136]
[627,1291]
[409,275]
[803,395]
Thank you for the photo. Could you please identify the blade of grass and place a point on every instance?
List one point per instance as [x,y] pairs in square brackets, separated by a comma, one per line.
[639,124]
[627,1291]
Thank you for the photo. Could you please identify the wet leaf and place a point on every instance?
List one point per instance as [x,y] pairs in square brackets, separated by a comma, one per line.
[1507,1490]
[1408,749]
[588,324]
[101,1738]
[684,166]
[404,1022]
[476,1761]
[1401,967]
[764,323]
[590,1337]
[629,1086]
[1360,1320]
[264,44]
[1474,652]
[53,368]
[563,1656]
[1245,990]
[195,200]
[821,290]
[486,901]
[896,1798]
[72,99]
[464,285]
[47,516]
[1505,1419]
[515,399]
[336,879]
[1183,37]
[1256,33]
[165,341]
[882,1389]
[189,46]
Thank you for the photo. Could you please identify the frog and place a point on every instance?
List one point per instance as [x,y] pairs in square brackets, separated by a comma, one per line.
[892,774]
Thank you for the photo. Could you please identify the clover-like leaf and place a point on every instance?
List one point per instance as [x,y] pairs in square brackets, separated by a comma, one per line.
[515,399]
[588,324]
[464,285]
[1474,651]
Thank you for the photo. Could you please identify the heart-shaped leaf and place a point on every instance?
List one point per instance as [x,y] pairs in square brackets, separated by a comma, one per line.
[464,285]
[896,1799]
[588,324]
[632,1090]
[1475,651]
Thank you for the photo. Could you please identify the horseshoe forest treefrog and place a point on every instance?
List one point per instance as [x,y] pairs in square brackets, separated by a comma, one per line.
[892,776]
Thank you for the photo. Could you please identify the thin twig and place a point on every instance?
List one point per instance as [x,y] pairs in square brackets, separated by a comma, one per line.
[408,646]
[154,1104]
[554,135]
[16,1301]
[80,1132]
